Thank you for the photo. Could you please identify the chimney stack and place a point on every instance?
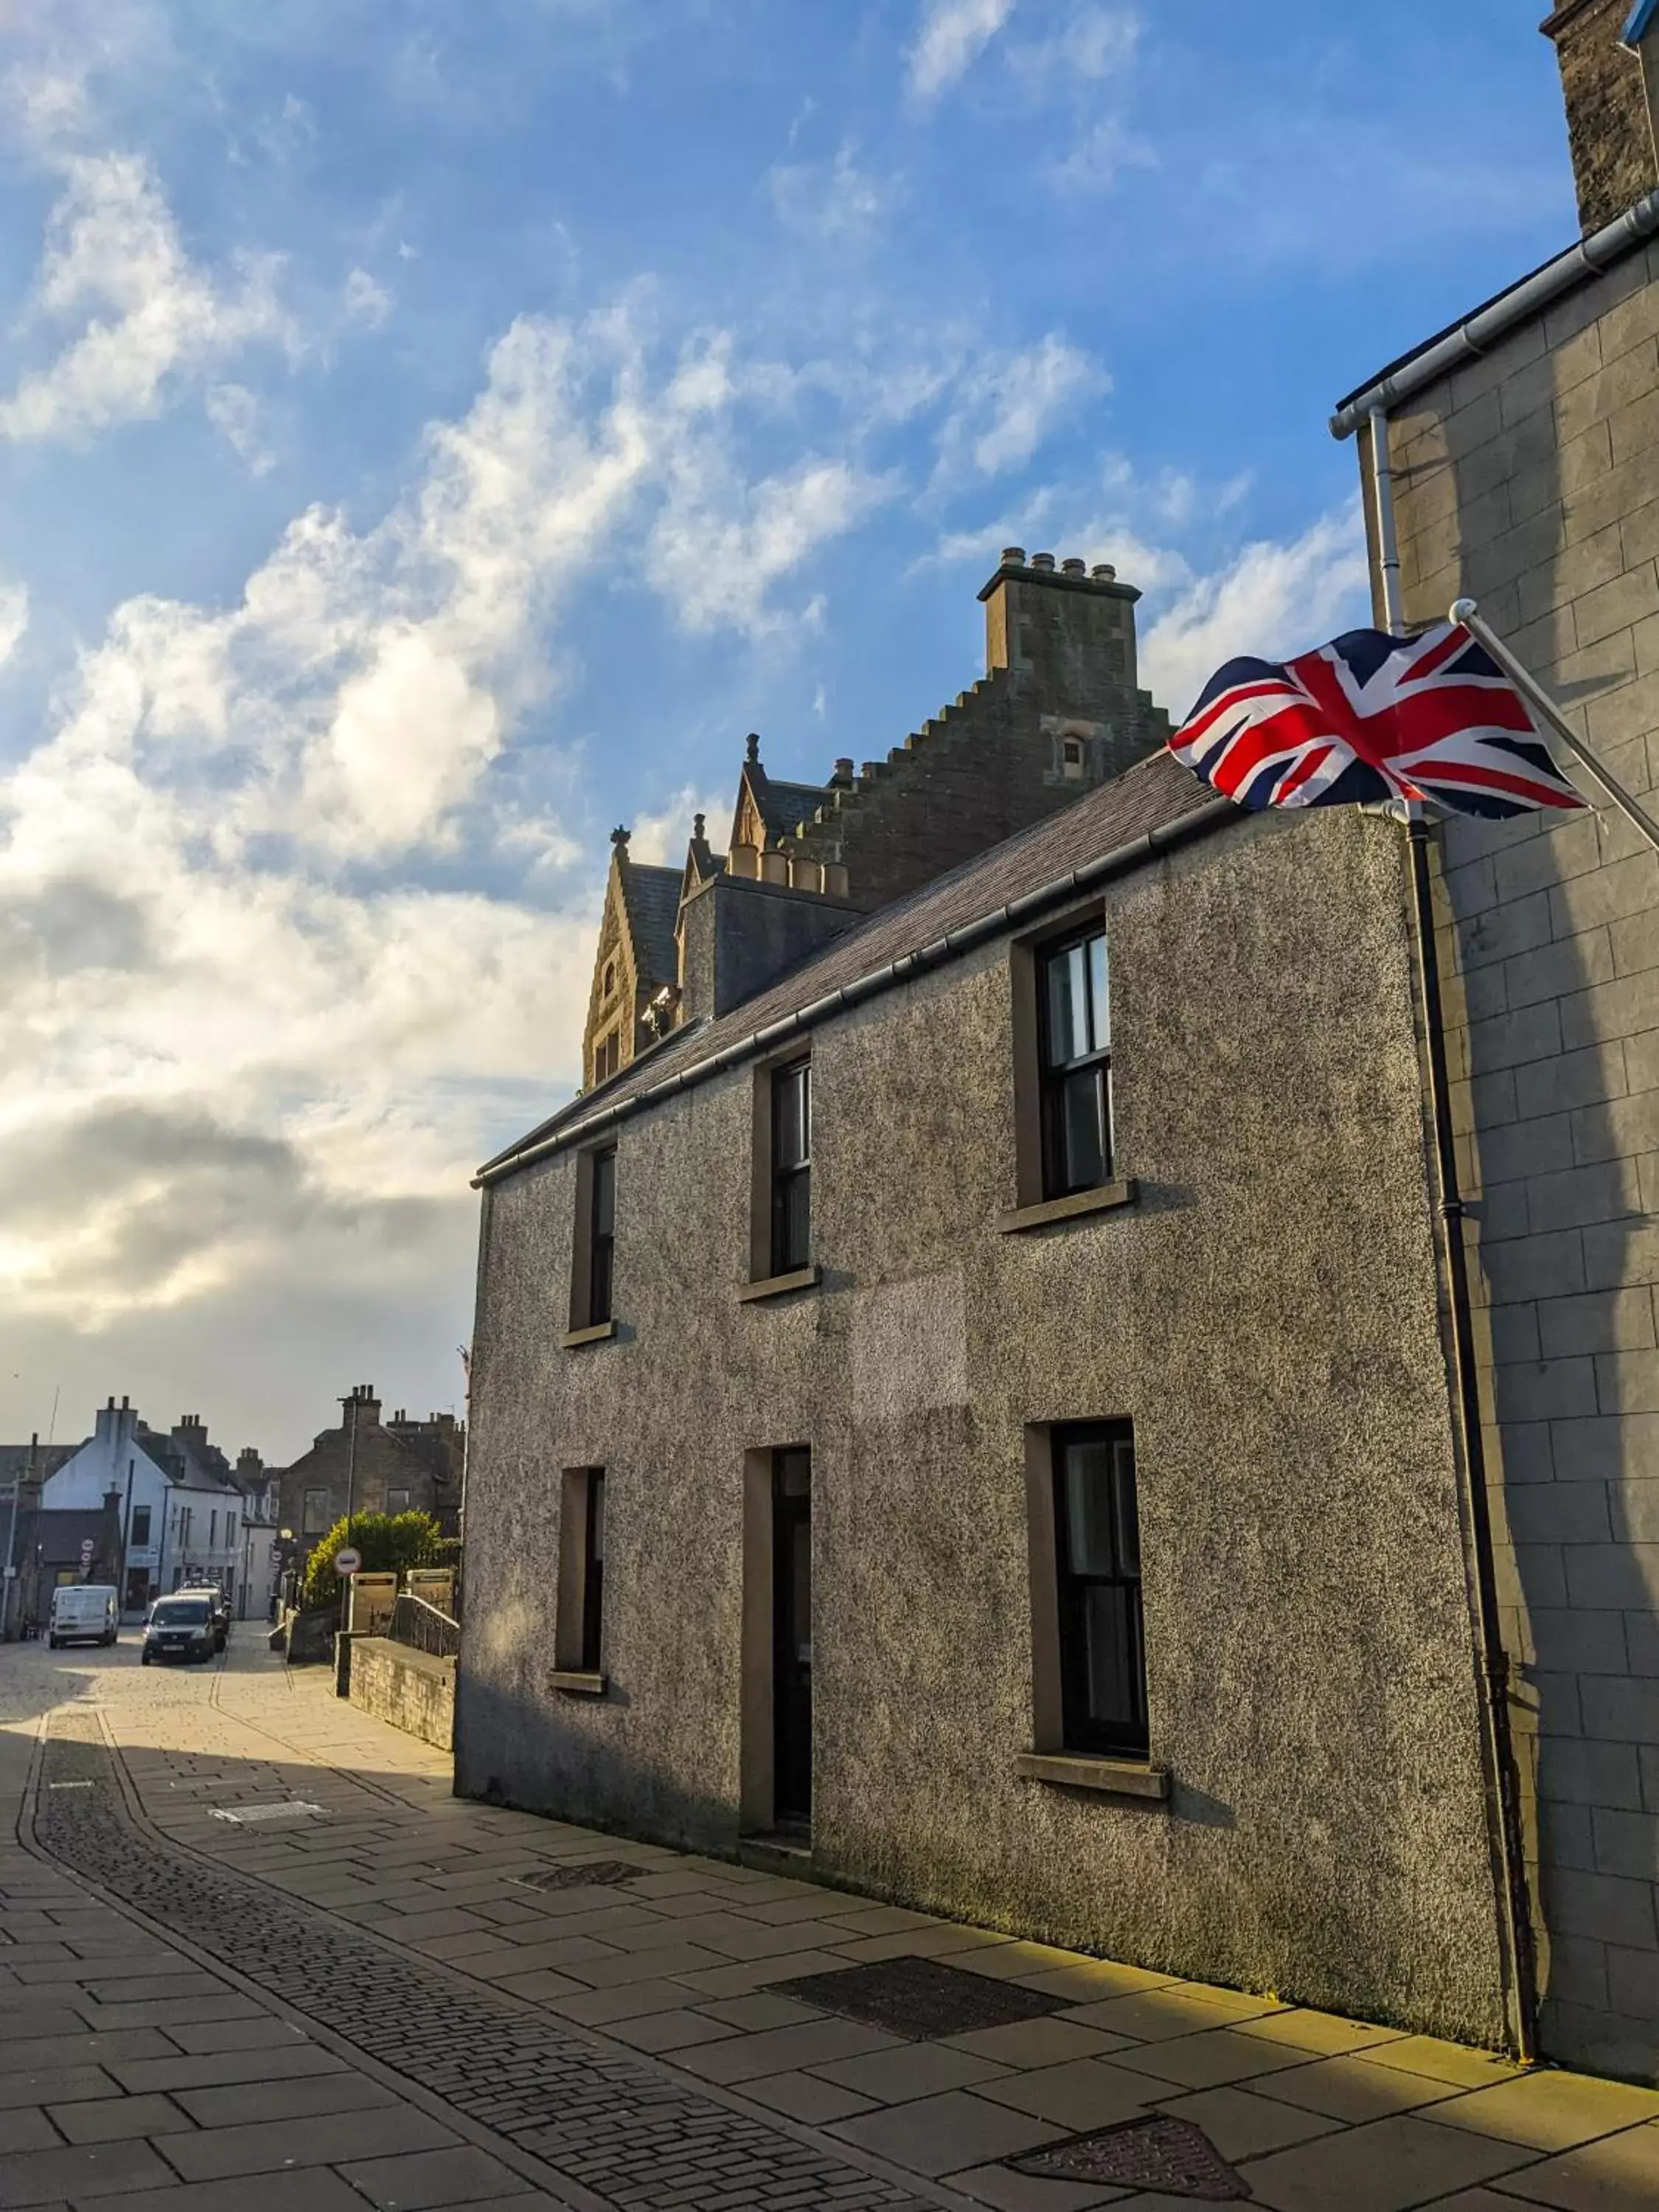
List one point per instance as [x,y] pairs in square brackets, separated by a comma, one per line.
[1070,632]
[1609,88]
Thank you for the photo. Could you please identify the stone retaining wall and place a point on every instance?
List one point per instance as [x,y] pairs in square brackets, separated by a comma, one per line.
[412,1690]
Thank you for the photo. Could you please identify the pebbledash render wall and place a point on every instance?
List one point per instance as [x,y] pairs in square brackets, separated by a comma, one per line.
[1530,480]
[1266,1313]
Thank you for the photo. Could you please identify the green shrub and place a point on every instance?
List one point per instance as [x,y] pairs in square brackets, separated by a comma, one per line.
[388,1543]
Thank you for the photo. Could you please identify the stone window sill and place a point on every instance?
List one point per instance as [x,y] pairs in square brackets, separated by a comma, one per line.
[779,1286]
[601,1333]
[1113,1777]
[578,1682]
[1081,1202]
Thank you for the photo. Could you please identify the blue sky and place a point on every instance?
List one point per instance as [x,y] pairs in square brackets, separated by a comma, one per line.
[430,436]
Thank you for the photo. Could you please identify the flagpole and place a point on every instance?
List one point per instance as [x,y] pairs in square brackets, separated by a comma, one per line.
[1467,612]
[1507,1839]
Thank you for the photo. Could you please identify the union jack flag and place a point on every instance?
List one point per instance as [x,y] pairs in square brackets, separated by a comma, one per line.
[1373,717]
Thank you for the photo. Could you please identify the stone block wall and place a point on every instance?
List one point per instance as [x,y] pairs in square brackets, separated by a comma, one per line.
[1530,480]
[411,1689]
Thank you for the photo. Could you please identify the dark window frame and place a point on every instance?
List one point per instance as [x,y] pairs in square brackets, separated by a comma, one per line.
[1083,1728]
[593,1245]
[140,1534]
[1075,1086]
[579,1623]
[788,1166]
[1029,1024]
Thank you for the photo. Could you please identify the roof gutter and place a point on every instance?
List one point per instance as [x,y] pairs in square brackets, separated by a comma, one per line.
[1478,332]
[1119,861]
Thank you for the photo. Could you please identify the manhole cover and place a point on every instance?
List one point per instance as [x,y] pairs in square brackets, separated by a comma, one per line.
[919,1997]
[294,1808]
[1161,2153]
[596,1873]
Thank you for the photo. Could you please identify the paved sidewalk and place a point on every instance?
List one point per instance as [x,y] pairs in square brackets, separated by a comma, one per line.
[452,2019]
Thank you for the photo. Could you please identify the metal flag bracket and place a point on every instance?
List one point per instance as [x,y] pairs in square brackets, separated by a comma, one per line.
[1467,612]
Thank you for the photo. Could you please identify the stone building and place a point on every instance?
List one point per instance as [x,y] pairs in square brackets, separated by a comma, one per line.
[365,1465]
[1525,449]
[1056,713]
[954,1432]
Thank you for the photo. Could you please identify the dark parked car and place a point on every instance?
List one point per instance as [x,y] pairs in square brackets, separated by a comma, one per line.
[183,1626]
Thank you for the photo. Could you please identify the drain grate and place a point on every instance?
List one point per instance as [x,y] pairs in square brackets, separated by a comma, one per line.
[292,1809]
[596,1873]
[919,1997]
[1170,2156]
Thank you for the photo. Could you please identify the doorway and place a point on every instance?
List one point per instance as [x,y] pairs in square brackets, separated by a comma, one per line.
[791,1638]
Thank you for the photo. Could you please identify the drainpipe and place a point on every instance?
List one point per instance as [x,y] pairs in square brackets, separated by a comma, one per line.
[1505,1834]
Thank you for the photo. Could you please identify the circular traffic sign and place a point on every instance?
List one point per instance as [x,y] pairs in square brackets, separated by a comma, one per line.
[346,1561]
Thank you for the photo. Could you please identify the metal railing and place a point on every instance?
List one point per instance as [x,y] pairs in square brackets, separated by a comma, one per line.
[423,1628]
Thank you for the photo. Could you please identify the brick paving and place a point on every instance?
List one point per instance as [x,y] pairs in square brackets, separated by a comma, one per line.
[384,2002]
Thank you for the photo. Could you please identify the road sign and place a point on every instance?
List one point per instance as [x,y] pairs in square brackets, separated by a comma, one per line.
[347,1562]
[88,1547]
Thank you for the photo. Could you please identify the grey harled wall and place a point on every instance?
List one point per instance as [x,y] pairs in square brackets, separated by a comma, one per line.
[1266,1314]
[1531,481]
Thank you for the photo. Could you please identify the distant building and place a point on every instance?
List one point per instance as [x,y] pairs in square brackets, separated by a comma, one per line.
[181,1509]
[365,1465]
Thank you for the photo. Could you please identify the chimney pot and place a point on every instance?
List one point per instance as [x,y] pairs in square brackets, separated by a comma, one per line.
[1075,568]
[124,1404]
[1013,557]
[1043,561]
[1103,573]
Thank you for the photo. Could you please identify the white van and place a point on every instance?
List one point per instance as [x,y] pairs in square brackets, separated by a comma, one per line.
[82,1613]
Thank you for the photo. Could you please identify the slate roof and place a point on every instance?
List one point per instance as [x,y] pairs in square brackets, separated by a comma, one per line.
[784,806]
[652,897]
[14,1460]
[1152,795]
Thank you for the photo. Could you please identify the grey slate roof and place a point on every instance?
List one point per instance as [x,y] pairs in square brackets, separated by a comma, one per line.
[784,806]
[14,1460]
[1151,795]
[652,898]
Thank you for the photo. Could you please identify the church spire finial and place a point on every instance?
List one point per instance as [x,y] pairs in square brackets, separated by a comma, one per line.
[619,838]
[753,743]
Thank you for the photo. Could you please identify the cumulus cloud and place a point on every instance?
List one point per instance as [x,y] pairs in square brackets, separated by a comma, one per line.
[13,618]
[952,35]
[1271,598]
[153,319]
[1004,408]
[661,838]
[250,1048]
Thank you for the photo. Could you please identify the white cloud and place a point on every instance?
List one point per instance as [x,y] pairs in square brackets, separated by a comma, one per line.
[13,618]
[235,414]
[1101,156]
[660,839]
[1270,599]
[253,1062]
[952,36]
[366,302]
[157,319]
[835,201]
[1092,44]
[1004,407]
